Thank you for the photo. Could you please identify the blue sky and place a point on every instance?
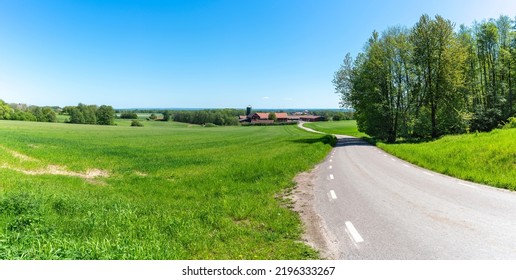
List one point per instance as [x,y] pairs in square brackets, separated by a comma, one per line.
[197,54]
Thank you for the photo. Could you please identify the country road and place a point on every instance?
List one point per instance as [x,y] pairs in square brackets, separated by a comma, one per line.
[376,206]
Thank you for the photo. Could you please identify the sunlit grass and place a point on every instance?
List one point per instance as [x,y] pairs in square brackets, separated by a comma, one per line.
[488,158]
[346,127]
[173,191]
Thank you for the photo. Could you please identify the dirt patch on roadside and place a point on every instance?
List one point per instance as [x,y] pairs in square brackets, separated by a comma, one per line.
[315,233]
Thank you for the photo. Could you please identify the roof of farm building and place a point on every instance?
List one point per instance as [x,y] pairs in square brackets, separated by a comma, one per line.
[281,115]
[262,115]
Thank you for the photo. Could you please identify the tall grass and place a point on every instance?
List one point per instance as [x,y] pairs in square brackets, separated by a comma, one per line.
[173,191]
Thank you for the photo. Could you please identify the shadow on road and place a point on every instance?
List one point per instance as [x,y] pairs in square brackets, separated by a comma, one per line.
[326,139]
[343,142]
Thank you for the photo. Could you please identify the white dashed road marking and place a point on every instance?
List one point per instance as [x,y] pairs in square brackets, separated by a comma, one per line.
[428,173]
[333,195]
[331,177]
[353,232]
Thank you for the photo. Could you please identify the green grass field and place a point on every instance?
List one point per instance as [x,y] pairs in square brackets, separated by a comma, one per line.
[163,191]
[347,127]
[488,158]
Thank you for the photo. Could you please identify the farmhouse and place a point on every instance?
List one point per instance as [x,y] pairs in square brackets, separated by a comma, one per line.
[259,116]
[282,117]
[263,117]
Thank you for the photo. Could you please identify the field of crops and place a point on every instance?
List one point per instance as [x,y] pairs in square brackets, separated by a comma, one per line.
[162,191]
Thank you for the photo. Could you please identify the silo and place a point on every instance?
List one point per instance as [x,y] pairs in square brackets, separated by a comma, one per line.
[248,110]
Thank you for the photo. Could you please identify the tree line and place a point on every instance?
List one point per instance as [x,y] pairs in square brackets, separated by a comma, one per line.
[90,114]
[213,116]
[22,112]
[431,79]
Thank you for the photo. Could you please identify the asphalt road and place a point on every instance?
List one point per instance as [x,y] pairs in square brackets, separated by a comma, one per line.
[376,206]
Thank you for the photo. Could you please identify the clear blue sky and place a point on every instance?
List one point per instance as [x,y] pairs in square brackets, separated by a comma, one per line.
[197,54]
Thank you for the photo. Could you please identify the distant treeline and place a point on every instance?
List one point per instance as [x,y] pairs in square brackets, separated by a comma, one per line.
[105,115]
[225,117]
[333,115]
[90,114]
[22,112]
[214,116]
[432,79]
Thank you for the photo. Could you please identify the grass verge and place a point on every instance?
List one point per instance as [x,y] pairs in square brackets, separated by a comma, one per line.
[488,158]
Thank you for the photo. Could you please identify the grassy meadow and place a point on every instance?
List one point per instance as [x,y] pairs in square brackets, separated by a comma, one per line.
[163,191]
[346,127]
[487,158]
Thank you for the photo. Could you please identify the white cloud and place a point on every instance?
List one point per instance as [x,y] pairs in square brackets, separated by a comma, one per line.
[266,97]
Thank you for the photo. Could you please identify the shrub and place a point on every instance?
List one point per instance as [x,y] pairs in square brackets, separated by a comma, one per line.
[210,125]
[511,123]
[485,120]
[136,123]
[130,116]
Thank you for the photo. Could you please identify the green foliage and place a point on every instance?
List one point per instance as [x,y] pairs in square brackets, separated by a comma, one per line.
[511,123]
[129,115]
[91,114]
[5,110]
[22,112]
[338,116]
[272,116]
[206,194]
[166,116]
[76,116]
[481,157]
[136,123]
[223,117]
[430,80]
[486,120]
[105,115]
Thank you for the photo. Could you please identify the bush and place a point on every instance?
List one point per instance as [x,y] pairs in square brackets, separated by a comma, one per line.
[511,123]
[136,123]
[210,125]
[485,121]
[130,116]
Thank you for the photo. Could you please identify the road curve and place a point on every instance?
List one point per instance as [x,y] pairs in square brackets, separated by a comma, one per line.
[377,206]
